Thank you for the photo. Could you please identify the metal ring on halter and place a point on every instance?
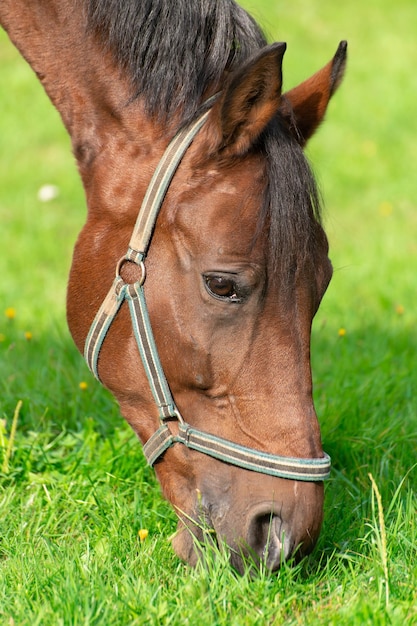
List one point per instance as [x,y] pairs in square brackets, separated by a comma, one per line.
[141,265]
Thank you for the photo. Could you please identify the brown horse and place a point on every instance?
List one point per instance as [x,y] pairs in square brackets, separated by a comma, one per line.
[238,261]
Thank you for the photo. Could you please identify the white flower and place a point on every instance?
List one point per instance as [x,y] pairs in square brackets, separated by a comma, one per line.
[46,193]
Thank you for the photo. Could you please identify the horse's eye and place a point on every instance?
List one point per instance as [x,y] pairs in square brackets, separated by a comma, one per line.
[222,287]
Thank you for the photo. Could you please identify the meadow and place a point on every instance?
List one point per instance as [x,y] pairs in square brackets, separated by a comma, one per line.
[84,531]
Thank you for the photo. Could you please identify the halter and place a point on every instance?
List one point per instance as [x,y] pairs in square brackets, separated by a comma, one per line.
[304,469]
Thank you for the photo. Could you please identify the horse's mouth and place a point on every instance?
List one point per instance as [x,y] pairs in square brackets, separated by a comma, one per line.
[263,545]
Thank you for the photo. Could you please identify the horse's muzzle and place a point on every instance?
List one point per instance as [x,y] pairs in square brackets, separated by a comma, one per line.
[267,541]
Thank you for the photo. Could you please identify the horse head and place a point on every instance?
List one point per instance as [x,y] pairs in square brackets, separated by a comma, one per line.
[235,271]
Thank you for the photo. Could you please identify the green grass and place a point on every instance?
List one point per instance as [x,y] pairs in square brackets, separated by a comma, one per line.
[77,490]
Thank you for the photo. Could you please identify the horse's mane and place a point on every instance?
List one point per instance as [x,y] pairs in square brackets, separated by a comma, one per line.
[177,51]
[174,49]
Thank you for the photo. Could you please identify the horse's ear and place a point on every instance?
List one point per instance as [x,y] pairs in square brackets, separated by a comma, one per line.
[304,106]
[247,104]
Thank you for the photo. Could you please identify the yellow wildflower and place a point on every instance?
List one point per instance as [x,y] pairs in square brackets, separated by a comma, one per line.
[83,385]
[342,332]
[10,313]
[143,533]
[28,335]
[399,309]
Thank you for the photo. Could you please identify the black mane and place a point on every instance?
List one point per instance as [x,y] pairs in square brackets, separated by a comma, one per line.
[177,52]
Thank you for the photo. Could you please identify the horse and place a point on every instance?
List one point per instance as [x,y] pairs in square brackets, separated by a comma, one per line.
[203,259]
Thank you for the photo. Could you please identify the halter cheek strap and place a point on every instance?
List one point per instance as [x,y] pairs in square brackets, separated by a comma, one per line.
[316,469]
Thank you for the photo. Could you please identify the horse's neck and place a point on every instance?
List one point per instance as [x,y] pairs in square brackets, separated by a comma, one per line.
[80,78]
[48,35]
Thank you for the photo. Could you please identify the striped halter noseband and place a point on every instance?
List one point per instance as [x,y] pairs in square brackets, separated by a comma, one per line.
[305,469]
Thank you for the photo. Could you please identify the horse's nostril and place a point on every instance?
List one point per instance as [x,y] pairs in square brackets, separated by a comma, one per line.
[266,538]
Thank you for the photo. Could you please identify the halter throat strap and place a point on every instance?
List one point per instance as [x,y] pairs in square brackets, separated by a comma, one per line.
[304,469]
